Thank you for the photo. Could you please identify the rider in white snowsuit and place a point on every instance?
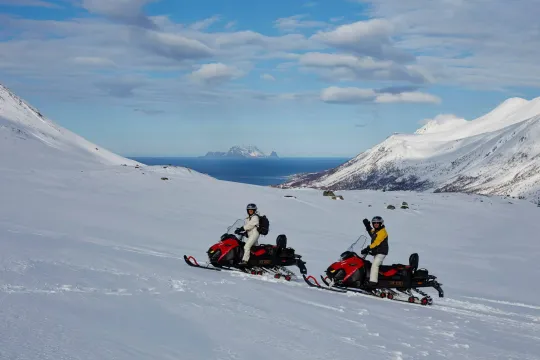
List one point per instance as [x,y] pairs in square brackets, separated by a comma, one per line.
[251,224]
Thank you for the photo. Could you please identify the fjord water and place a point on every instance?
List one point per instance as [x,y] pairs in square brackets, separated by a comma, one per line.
[255,171]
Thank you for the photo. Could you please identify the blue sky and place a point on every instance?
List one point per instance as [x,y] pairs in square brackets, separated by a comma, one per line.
[303,78]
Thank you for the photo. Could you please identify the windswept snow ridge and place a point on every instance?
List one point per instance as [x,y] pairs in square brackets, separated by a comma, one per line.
[497,154]
[22,126]
[91,266]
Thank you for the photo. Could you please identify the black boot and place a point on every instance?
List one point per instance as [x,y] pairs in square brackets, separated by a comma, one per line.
[372,285]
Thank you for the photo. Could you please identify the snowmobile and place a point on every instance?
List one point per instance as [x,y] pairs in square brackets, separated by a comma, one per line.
[227,254]
[351,273]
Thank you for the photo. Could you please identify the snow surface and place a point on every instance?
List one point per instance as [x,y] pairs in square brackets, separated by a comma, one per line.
[91,267]
[498,153]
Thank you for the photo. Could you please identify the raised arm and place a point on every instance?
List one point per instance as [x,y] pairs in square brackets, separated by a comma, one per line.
[367,225]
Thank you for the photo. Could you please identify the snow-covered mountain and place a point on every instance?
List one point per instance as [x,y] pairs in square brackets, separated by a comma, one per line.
[247,151]
[91,265]
[498,153]
[22,125]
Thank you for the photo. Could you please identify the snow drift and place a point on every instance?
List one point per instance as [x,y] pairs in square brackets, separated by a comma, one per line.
[91,265]
[497,154]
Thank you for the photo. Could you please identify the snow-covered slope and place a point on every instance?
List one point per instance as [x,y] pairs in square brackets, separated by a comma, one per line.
[91,268]
[22,127]
[498,153]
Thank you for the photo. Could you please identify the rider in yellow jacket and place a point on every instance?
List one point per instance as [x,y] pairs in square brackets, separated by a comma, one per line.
[378,247]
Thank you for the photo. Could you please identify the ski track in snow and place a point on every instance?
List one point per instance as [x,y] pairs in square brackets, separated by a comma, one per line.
[446,325]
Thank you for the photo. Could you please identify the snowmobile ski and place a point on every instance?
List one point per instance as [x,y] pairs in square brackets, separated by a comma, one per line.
[277,272]
[191,261]
[315,284]
[378,293]
[188,261]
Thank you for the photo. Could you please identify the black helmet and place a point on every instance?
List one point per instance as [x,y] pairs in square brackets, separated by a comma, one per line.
[251,207]
[377,219]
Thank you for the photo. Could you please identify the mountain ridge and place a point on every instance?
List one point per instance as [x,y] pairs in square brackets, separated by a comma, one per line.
[495,154]
[237,151]
[29,140]
[27,123]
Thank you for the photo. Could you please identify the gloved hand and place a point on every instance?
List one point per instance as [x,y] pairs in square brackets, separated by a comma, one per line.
[239,230]
[366,251]
[366,222]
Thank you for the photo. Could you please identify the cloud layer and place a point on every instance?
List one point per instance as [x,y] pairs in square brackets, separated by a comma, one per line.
[401,50]
[477,44]
[354,95]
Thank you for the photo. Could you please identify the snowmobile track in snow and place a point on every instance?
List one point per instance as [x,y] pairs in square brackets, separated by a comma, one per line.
[396,297]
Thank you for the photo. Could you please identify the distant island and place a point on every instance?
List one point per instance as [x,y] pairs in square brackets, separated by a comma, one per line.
[249,151]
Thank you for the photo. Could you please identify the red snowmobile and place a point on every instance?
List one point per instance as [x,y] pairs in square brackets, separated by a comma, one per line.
[351,273]
[265,258]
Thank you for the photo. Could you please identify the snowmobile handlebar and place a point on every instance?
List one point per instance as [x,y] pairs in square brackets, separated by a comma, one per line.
[240,234]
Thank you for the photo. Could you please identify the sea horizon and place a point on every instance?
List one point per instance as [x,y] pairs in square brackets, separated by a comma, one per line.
[255,171]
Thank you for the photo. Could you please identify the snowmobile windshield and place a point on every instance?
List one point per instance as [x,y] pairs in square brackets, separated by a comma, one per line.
[238,223]
[356,245]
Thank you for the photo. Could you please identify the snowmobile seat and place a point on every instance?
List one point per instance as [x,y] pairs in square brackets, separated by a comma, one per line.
[391,270]
[385,268]
[413,261]
[281,242]
[262,249]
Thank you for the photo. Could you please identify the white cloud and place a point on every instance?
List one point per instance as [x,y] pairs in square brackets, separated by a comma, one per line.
[331,60]
[206,23]
[349,95]
[293,23]
[455,42]
[354,95]
[126,11]
[369,38]
[408,97]
[487,44]
[93,61]
[175,46]
[30,3]
[230,25]
[351,67]
[215,73]
[268,77]
[66,55]
[250,38]
[351,34]
[122,86]
[304,96]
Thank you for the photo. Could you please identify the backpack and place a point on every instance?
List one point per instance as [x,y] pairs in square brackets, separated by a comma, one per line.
[264,225]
